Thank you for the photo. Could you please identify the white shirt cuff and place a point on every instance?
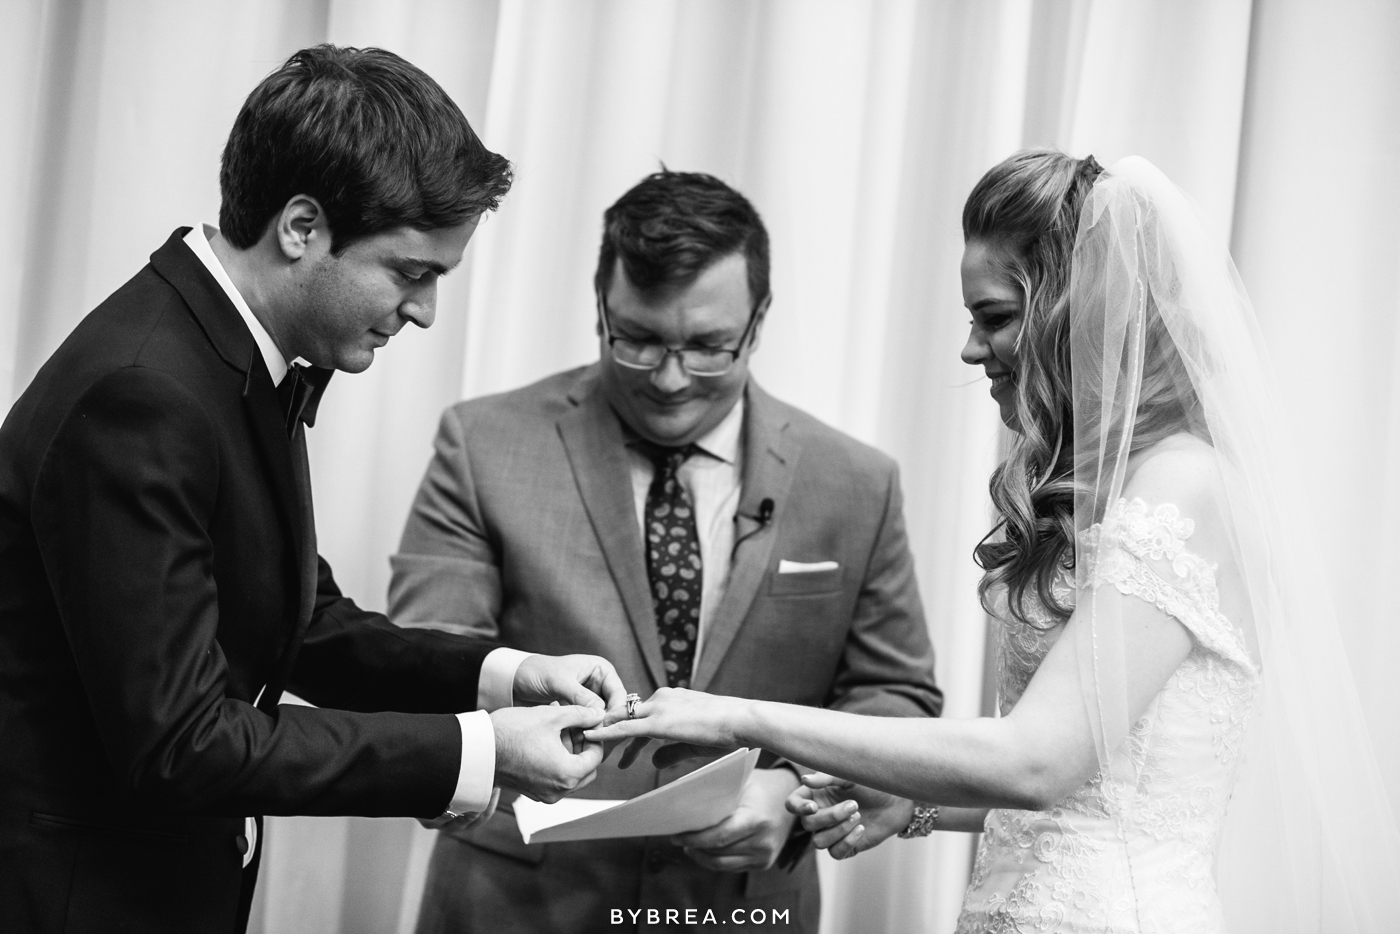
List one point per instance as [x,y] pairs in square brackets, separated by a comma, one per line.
[477,773]
[495,686]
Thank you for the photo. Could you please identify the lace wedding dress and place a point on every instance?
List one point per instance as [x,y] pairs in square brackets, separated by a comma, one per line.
[1132,850]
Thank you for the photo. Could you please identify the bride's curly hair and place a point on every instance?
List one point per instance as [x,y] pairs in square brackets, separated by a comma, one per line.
[1027,210]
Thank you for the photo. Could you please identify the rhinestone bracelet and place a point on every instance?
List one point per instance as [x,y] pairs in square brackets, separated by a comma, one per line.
[921,824]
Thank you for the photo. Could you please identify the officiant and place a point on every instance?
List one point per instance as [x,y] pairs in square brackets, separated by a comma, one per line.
[660,509]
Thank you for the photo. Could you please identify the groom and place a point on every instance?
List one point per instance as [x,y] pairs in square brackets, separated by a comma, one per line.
[659,508]
[159,582]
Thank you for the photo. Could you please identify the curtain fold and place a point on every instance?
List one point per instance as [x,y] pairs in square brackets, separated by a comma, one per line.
[857,127]
[1316,242]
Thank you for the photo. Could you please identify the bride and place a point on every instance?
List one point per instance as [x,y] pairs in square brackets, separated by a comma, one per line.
[1179,746]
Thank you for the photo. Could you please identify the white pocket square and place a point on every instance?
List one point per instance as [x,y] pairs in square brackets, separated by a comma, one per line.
[804,567]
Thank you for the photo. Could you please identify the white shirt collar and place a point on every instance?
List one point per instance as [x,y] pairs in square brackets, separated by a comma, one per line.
[722,441]
[198,241]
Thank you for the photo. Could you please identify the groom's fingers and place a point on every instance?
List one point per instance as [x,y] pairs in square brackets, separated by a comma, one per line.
[573,721]
[576,720]
[566,686]
[610,686]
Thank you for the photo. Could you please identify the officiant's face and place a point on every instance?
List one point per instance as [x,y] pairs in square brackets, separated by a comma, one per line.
[995,301]
[353,302]
[668,405]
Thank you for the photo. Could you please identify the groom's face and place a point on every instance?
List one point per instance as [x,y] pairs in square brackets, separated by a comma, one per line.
[668,405]
[350,304]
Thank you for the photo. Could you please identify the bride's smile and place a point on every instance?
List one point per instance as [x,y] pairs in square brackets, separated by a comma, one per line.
[994,299]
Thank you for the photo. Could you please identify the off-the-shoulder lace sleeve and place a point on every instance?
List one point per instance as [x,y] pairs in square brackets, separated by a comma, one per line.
[1131,535]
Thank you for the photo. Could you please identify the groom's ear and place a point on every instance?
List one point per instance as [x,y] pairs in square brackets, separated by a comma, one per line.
[301,228]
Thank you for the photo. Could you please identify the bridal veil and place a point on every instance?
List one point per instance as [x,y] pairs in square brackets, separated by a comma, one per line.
[1310,841]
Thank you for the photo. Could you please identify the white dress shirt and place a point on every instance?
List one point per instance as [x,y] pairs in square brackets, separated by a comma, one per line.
[713,480]
[476,774]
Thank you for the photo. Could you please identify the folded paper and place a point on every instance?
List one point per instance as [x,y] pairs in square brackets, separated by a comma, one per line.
[692,802]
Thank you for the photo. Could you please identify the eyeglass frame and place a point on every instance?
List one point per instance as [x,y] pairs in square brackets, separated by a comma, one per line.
[605,319]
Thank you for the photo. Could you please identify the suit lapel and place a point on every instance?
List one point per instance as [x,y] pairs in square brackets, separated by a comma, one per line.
[770,456]
[597,455]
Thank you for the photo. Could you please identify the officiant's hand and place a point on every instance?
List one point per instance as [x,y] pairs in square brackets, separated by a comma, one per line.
[847,818]
[753,836]
[584,680]
[540,751]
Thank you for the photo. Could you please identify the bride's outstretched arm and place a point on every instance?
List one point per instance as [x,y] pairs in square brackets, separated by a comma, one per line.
[1029,759]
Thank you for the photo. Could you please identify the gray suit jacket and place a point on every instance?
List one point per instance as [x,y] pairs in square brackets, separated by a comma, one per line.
[525,530]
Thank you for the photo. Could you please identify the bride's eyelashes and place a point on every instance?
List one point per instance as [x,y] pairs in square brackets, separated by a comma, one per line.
[994,322]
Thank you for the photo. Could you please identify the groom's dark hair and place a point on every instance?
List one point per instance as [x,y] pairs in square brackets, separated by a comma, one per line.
[672,226]
[367,134]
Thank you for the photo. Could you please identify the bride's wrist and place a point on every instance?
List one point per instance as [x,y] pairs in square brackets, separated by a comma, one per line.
[749,724]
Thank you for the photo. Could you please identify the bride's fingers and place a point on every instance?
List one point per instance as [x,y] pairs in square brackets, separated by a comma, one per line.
[849,846]
[834,816]
[800,802]
[823,780]
[614,732]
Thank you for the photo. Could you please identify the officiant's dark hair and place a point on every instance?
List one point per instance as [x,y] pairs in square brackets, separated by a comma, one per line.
[367,134]
[672,226]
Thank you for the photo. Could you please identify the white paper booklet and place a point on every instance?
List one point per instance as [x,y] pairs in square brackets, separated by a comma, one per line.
[701,799]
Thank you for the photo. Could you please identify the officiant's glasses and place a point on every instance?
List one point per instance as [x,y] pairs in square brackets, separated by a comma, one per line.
[697,361]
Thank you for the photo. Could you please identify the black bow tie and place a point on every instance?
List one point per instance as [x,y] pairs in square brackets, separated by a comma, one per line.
[300,392]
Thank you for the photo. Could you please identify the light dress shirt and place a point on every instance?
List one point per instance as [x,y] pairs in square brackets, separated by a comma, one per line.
[477,772]
[713,479]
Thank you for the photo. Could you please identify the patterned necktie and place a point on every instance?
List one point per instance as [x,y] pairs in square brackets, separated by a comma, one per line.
[674,565]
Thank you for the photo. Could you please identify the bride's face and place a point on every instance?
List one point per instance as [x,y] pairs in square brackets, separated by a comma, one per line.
[995,301]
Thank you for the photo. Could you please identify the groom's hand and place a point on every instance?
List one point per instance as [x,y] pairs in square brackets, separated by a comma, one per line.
[583,680]
[540,752]
[754,835]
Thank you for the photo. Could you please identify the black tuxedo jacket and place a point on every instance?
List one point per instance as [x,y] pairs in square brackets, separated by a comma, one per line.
[157,571]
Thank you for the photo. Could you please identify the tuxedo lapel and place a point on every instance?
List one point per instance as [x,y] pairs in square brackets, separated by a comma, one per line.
[282,458]
[286,463]
[597,455]
[304,541]
[212,309]
[769,458]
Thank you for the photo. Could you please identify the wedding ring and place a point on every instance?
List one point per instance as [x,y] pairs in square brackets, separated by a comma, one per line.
[632,701]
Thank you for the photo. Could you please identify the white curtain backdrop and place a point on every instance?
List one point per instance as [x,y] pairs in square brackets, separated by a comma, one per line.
[857,128]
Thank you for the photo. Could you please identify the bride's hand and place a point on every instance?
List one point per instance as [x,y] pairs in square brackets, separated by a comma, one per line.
[691,722]
[847,818]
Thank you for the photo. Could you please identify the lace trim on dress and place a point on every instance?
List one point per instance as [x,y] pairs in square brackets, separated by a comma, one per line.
[1133,533]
